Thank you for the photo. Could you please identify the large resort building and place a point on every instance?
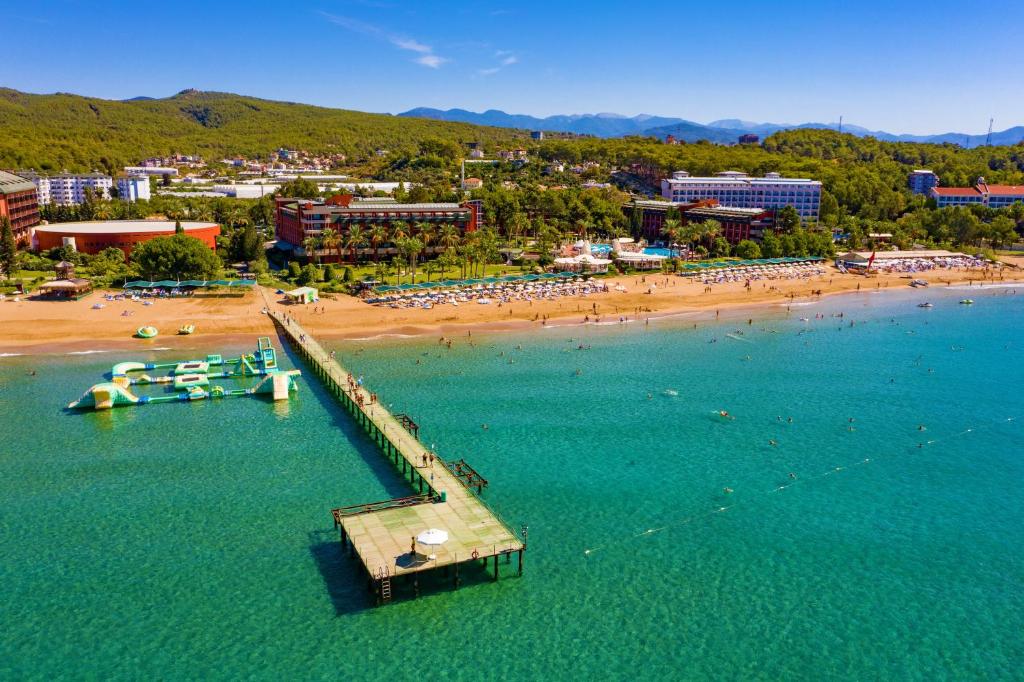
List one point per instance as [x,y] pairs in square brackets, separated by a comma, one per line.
[19,203]
[982,194]
[297,219]
[737,223]
[732,188]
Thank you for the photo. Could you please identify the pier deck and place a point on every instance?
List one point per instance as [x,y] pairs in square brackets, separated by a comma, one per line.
[380,534]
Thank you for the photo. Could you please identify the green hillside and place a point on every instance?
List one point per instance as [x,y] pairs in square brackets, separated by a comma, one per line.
[62,131]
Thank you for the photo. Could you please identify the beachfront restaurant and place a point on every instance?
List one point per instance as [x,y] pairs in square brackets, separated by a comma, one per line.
[638,260]
[65,289]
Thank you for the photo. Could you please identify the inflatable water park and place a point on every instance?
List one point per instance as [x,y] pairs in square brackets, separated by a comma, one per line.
[192,380]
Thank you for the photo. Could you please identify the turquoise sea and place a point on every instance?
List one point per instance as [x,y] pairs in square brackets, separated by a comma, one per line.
[194,541]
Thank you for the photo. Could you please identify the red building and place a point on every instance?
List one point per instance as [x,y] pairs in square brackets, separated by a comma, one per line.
[652,214]
[737,223]
[93,237]
[297,219]
[20,203]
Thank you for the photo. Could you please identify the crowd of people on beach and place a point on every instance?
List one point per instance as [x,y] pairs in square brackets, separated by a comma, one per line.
[493,293]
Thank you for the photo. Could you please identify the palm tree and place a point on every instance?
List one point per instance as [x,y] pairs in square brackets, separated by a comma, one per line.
[356,238]
[709,230]
[311,244]
[330,239]
[399,231]
[671,231]
[427,233]
[449,237]
[378,235]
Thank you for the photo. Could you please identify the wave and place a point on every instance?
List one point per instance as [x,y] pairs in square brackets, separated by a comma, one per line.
[968,287]
[383,336]
[86,352]
[10,355]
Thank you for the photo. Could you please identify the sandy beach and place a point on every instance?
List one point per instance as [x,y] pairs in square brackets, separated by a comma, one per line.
[26,325]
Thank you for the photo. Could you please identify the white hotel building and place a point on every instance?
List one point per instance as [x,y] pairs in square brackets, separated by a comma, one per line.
[732,188]
[69,188]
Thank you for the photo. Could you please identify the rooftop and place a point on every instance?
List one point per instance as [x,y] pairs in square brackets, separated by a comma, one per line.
[727,211]
[10,183]
[122,226]
[956,191]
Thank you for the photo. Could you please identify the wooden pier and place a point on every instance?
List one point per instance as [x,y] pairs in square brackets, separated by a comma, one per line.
[381,533]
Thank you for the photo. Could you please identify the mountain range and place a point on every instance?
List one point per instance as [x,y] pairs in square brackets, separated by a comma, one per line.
[724,131]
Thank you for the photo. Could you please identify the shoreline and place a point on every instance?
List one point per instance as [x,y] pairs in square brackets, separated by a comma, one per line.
[44,327]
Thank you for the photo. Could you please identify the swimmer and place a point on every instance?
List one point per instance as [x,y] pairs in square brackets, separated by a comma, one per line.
[726,490]
[792,475]
[649,396]
[483,426]
[771,441]
[921,427]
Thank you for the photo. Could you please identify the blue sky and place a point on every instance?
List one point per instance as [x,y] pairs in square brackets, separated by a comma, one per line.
[924,67]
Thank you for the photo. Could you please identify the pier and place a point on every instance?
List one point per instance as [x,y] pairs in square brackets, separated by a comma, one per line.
[446,494]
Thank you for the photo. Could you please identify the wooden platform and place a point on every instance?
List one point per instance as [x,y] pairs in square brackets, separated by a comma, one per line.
[381,534]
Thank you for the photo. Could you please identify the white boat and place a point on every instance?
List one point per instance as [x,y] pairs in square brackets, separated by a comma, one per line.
[924,305]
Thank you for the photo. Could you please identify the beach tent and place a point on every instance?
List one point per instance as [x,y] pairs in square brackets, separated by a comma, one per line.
[303,295]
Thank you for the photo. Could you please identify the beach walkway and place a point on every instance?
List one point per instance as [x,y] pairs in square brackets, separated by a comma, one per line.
[381,533]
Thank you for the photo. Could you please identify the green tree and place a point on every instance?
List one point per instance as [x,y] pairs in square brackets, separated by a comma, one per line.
[787,219]
[245,244]
[748,250]
[8,249]
[176,257]
[720,247]
[771,247]
[293,270]
[310,274]
[299,188]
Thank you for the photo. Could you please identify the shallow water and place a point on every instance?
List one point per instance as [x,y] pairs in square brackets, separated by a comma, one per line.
[176,541]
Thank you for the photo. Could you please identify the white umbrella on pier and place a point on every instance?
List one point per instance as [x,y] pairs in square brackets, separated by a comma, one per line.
[432,538]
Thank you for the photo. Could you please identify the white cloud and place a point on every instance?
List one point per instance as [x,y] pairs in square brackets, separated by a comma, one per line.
[410,44]
[431,60]
[488,72]
[509,61]
[427,57]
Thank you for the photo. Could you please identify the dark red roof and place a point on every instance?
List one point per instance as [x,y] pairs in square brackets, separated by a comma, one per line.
[1006,190]
[956,191]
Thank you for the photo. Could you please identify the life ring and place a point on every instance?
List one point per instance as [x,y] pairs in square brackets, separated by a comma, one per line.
[476,554]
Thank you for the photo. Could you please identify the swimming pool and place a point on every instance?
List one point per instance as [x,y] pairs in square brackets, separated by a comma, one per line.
[603,249]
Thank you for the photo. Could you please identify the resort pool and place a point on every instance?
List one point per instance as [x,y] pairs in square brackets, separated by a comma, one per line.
[604,249]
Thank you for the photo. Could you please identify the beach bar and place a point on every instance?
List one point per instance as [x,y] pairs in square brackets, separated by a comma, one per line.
[389,537]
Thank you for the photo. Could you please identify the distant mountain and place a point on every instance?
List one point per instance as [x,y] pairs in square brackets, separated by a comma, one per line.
[599,125]
[722,131]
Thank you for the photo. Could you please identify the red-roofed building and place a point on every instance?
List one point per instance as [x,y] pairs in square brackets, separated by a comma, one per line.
[993,196]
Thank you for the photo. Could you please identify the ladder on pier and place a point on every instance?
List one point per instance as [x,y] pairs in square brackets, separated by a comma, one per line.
[384,577]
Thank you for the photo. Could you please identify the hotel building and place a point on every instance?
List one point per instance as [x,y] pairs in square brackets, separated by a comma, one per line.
[737,223]
[19,203]
[70,188]
[984,194]
[922,181]
[133,188]
[732,188]
[297,219]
